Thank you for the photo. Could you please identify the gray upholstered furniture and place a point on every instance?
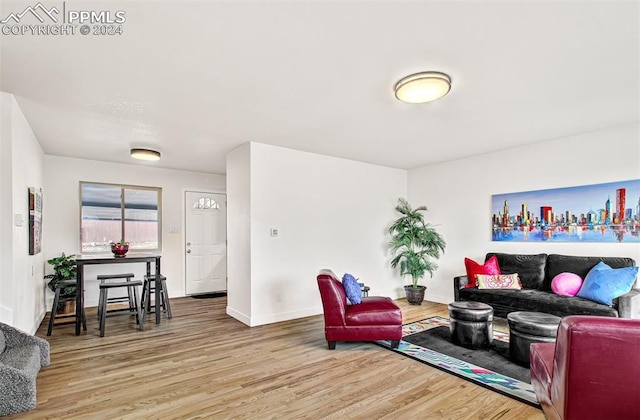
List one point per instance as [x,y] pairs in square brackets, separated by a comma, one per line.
[536,272]
[471,324]
[21,357]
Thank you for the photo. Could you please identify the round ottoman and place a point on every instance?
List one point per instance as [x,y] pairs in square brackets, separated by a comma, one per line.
[529,327]
[471,324]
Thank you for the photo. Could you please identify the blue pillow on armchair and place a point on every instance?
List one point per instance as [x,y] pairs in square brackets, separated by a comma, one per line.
[603,283]
[351,288]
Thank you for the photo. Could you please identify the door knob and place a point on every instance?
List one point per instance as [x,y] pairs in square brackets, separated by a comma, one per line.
[188,251]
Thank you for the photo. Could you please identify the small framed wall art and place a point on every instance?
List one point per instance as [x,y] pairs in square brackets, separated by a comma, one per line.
[35,220]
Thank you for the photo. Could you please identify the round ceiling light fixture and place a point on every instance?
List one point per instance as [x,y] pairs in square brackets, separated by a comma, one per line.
[145,154]
[422,87]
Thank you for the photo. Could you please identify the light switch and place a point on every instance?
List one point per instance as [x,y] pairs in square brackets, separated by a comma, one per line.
[274,232]
[18,220]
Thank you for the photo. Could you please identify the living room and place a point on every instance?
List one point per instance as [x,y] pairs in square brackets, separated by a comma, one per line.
[571,119]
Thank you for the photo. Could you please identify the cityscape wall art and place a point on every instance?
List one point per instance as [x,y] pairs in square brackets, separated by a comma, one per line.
[590,213]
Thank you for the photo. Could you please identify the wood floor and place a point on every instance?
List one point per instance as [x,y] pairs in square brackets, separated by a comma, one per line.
[204,364]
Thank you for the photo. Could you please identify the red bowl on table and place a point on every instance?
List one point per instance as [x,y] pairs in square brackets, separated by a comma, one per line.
[119,250]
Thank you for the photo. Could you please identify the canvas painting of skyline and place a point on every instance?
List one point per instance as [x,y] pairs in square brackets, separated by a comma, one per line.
[591,213]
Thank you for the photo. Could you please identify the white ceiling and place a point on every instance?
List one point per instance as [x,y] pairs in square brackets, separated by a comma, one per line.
[196,79]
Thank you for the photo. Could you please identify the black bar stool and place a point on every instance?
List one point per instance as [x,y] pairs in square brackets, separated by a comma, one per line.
[60,286]
[131,298]
[104,299]
[150,287]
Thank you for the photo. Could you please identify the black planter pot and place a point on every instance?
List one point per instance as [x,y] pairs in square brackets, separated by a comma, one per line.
[415,296]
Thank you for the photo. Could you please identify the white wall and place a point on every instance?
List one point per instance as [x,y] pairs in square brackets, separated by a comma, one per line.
[22,304]
[239,233]
[62,211]
[458,194]
[329,213]
[6,212]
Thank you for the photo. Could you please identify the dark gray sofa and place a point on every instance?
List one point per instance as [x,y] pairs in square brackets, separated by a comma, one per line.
[536,272]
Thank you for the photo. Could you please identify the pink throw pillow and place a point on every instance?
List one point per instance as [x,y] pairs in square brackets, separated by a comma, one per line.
[566,284]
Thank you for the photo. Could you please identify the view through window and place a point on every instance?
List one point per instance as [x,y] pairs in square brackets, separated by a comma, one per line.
[113,213]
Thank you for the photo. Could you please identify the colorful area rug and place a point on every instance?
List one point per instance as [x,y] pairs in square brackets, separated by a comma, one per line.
[512,380]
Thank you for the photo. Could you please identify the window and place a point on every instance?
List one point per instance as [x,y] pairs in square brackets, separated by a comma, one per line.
[111,213]
[206,203]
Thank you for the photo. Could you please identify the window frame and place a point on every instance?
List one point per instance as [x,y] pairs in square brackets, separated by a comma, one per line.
[122,212]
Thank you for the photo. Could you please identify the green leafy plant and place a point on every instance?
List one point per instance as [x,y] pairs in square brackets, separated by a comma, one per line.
[64,268]
[414,243]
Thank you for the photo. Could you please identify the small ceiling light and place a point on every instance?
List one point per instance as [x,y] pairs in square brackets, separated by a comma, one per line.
[145,154]
[422,87]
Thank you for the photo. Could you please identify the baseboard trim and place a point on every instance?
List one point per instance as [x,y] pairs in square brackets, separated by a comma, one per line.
[272,318]
[285,316]
[6,315]
[437,298]
[245,319]
[38,322]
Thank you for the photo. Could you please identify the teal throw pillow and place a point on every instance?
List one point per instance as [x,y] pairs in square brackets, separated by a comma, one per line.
[603,283]
[351,288]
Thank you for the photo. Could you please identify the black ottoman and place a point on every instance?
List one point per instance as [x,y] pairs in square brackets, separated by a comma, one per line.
[529,327]
[471,324]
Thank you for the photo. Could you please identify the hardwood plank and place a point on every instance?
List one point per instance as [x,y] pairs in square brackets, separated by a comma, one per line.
[205,364]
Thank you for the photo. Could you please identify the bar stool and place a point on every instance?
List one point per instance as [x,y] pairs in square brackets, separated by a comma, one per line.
[60,286]
[131,298]
[148,288]
[104,299]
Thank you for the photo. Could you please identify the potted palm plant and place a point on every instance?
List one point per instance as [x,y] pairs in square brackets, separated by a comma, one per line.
[64,268]
[415,245]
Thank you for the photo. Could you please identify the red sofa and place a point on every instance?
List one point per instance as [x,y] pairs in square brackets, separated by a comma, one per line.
[375,318]
[591,372]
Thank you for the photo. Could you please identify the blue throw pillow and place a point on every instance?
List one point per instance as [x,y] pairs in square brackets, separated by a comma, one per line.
[351,288]
[603,283]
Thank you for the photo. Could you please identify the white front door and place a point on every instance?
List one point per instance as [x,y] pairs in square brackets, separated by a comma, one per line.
[206,242]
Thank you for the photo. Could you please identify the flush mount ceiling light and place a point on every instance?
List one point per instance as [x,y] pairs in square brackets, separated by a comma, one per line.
[145,154]
[422,87]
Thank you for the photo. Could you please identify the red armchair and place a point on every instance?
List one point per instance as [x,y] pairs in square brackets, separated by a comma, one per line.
[591,372]
[375,318]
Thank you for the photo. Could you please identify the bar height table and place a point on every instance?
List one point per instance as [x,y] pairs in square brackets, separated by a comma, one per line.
[87,259]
